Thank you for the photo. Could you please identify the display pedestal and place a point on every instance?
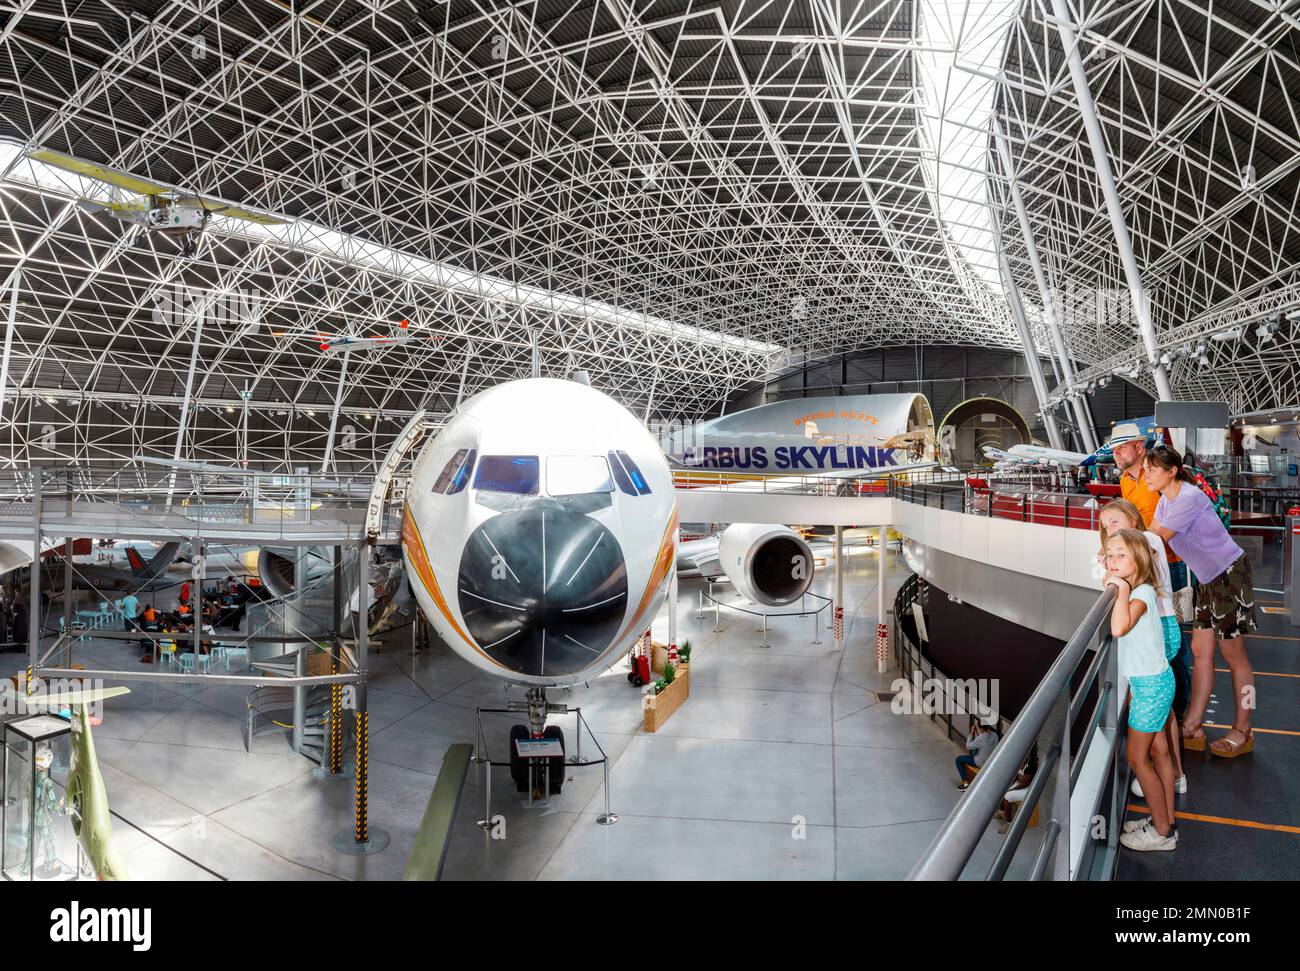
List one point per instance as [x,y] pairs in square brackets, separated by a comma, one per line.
[39,842]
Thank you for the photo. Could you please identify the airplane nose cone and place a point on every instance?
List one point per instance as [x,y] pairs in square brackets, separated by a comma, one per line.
[543,590]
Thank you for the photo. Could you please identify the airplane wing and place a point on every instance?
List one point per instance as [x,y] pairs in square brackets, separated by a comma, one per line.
[100,173]
[82,696]
[220,208]
[699,555]
[88,800]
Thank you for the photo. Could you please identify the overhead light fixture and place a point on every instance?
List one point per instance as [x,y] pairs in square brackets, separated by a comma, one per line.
[1231,334]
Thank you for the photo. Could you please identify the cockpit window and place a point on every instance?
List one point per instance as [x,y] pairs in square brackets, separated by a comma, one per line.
[461,478]
[453,463]
[575,475]
[638,480]
[517,474]
[627,475]
[620,475]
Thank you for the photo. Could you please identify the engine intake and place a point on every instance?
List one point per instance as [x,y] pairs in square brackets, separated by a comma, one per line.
[770,565]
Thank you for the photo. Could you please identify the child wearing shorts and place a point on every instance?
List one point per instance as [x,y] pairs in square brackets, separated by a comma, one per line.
[1142,663]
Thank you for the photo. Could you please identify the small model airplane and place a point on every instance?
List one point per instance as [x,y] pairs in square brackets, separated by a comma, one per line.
[160,208]
[1035,455]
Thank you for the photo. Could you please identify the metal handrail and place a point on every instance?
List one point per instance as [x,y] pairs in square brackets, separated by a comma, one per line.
[951,849]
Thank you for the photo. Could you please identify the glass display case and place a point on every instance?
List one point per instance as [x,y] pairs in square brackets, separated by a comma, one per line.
[39,842]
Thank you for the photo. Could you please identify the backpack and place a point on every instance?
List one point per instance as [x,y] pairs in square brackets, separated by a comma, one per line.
[1216,500]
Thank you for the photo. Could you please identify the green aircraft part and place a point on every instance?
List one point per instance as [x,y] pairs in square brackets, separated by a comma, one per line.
[88,801]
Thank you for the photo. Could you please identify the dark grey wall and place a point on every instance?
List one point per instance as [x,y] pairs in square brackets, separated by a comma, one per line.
[947,376]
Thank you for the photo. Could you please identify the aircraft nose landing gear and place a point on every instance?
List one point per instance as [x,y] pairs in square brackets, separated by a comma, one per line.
[540,775]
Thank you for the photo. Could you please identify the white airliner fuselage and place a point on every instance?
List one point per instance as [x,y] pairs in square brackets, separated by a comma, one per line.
[539,531]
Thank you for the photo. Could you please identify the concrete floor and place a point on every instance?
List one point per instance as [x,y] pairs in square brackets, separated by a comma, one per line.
[783,764]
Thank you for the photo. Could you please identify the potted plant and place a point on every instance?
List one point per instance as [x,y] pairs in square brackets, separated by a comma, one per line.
[667,695]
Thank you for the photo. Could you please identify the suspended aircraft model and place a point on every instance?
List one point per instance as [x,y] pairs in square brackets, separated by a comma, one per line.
[539,531]
[1052,456]
[160,208]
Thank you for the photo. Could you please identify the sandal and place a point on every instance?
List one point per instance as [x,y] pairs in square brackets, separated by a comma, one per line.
[1190,742]
[1233,749]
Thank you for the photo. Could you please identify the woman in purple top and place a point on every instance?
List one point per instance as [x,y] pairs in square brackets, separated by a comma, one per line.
[1225,597]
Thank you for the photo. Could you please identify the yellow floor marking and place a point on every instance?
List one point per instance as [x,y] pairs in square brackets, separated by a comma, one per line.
[1266,731]
[1223,820]
[1271,674]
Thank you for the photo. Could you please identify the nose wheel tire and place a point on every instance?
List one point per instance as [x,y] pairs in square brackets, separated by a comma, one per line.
[518,766]
[556,761]
[522,769]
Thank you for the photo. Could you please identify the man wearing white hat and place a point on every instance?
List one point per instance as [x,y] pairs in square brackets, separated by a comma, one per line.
[1129,446]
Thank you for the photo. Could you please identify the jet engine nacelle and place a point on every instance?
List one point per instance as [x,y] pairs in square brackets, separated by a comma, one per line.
[770,565]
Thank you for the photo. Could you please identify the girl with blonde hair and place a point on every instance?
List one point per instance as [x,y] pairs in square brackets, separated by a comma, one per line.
[1122,514]
[1142,663]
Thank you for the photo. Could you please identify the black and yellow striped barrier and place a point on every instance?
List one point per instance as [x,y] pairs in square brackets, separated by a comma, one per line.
[362,827]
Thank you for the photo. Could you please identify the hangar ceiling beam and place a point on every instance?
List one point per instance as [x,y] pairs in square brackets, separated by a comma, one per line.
[1083,423]
[1106,180]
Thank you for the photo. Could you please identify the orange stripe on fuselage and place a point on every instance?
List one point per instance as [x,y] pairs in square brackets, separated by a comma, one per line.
[663,562]
[413,543]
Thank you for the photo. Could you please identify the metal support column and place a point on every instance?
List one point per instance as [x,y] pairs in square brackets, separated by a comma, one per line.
[67,594]
[839,588]
[334,415]
[34,619]
[672,608]
[299,699]
[197,575]
[364,838]
[362,829]
[1026,336]
[1106,180]
[15,280]
[1049,303]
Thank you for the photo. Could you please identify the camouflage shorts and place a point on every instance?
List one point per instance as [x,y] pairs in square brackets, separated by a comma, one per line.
[1226,605]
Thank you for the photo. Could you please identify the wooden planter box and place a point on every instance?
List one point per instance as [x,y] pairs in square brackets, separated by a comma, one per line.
[659,707]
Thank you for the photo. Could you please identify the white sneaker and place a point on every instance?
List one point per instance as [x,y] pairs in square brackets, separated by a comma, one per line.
[1180,786]
[1133,825]
[1147,840]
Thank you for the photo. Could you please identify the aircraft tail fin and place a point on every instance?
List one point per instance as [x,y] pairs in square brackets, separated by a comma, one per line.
[164,558]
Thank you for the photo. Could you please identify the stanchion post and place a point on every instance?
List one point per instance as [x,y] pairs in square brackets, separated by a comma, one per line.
[839,588]
[882,633]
